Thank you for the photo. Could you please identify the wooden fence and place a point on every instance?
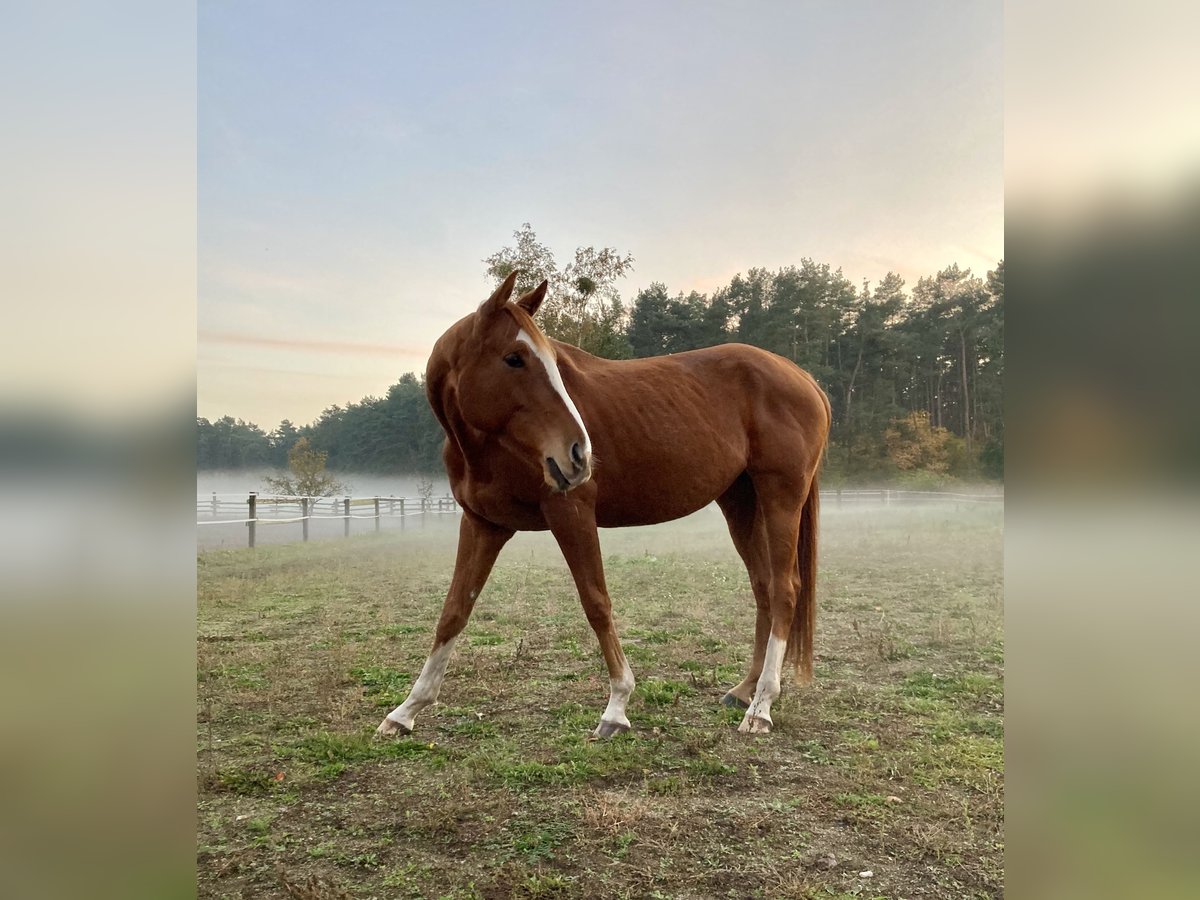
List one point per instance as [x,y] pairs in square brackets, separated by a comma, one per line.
[279,510]
[250,512]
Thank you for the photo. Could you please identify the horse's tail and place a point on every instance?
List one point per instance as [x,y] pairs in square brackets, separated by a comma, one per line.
[804,621]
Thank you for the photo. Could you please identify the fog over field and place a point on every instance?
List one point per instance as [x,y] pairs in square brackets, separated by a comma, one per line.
[232,487]
[360,484]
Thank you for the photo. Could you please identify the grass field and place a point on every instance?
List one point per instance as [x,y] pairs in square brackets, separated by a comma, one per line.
[890,764]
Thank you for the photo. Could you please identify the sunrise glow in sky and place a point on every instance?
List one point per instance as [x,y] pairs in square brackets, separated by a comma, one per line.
[357,162]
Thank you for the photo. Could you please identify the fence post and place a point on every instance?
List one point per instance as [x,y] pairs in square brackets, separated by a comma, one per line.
[253,504]
[401,513]
[214,504]
[376,512]
[346,513]
[304,513]
[839,497]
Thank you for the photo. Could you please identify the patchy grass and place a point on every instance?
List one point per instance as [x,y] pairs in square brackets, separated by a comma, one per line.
[892,761]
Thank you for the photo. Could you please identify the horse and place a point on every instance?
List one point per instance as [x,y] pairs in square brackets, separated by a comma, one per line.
[542,435]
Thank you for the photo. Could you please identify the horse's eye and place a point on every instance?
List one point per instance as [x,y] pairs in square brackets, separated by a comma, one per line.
[514,360]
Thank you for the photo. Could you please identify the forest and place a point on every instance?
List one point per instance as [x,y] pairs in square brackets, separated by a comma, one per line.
[914,374]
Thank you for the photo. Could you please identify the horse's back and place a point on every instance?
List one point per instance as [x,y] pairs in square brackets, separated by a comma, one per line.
[732,384]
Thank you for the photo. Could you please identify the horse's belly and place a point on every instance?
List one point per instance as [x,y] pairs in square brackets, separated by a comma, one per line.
[668,471]
[652,501]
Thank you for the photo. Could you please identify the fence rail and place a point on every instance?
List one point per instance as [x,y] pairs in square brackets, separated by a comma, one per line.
[224,510]
[251,509]
[887,496]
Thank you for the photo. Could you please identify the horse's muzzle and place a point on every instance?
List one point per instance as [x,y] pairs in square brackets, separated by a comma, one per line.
[581,470]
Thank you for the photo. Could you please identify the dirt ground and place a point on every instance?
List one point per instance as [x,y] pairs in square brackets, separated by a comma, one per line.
[882,779]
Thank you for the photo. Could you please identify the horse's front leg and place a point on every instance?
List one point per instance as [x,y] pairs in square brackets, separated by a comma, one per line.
[572,520]
[479,543]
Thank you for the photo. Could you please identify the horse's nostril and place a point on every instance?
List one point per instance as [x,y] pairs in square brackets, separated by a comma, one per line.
[577,455]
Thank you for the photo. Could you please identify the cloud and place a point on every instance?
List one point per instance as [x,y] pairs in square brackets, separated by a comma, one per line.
[346,347]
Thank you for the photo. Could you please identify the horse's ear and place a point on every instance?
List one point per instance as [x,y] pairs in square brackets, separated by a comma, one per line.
[531,301]
[500,296]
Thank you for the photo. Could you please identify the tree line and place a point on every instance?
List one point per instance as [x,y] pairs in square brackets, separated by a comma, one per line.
[394,433]
[914,376]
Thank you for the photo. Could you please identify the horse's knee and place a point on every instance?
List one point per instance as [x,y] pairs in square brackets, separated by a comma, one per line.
[599,613]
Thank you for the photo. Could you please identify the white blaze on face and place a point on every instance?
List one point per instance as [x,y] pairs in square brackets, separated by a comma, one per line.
[551,366]
[428,685]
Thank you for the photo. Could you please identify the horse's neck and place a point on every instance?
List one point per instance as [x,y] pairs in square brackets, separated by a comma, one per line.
[580,369]
[473,447]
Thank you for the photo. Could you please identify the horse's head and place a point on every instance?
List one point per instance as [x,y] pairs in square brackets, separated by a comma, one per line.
[507,384]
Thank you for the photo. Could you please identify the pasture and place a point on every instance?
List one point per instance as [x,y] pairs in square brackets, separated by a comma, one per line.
[891,763]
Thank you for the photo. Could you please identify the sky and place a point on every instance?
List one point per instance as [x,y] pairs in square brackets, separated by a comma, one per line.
[356,162]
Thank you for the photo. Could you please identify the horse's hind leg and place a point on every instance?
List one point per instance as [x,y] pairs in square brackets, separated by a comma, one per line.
[740,508]
[780,502]
[479,543]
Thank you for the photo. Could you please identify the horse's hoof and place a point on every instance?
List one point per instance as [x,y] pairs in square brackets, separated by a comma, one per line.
[391,728]
[606,730]
[755,725]
[733,701]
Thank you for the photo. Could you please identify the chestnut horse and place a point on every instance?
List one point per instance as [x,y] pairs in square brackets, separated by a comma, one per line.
[541,435]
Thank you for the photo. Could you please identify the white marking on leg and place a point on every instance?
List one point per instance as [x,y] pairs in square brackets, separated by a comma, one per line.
[428,685]
[768,686]
[619,690]
[547,357]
